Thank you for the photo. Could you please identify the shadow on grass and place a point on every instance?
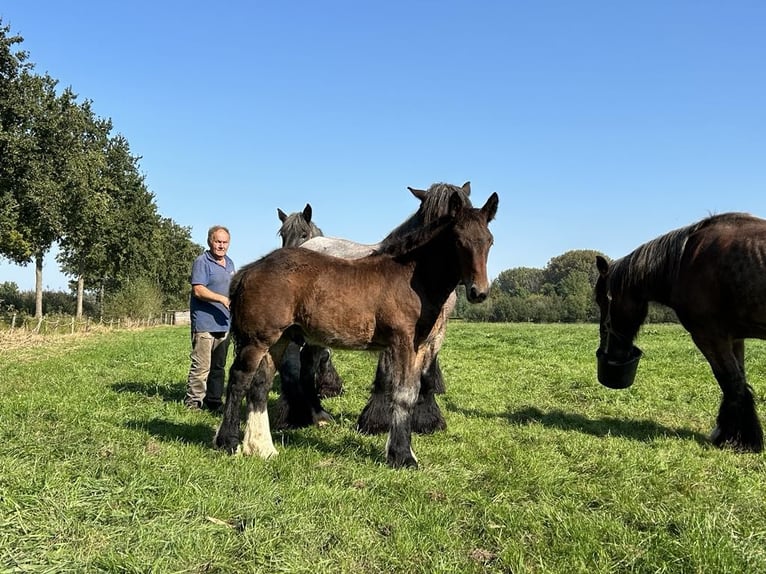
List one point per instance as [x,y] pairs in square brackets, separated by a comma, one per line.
[639,430]
[164,430]
[173,392]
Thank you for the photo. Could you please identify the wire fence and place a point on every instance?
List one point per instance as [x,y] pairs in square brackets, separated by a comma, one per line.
[18,323]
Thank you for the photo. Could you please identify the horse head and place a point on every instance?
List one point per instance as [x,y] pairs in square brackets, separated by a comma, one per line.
[297,228]
[473,243]
[621,316]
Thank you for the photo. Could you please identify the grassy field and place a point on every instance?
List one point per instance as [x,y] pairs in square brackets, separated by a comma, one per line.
[540,470]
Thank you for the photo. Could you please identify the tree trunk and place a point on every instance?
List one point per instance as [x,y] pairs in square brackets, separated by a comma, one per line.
[39,286]
[80,290]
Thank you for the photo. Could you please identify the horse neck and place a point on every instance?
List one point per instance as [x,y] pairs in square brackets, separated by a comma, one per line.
[436,267]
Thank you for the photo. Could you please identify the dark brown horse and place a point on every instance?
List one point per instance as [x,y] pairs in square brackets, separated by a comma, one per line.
[713,275]
[388,301]
[298,406]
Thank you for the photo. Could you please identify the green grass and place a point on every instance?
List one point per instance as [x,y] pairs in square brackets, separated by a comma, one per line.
[540,470]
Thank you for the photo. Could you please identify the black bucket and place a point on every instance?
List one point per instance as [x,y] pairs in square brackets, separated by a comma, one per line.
[618,375]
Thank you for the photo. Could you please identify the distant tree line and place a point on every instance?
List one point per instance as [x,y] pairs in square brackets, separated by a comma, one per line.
[66,179]
[562,292]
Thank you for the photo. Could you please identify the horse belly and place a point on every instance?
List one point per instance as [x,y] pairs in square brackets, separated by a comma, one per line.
[341,321]
[729,289]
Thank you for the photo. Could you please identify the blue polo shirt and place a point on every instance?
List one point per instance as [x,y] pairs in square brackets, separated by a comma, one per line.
[207,316]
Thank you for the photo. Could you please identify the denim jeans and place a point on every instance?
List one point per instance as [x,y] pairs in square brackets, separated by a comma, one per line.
[208,369]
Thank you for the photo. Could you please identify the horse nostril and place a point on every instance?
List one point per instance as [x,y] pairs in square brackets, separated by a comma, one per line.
[475,295]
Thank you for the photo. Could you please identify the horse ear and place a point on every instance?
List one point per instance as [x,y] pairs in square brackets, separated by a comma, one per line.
[307,213]
[467,188]
[490,208]
[282,215]
[419,193]
[602,265]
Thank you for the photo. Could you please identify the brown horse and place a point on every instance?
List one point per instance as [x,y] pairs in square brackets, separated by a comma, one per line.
[713,275]
[388,301]
[298,404]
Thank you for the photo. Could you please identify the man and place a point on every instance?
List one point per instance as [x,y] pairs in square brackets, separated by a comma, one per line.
[210,321]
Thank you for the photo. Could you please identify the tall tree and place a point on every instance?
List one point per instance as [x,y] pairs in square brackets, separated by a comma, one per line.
[88,210]
[13,63]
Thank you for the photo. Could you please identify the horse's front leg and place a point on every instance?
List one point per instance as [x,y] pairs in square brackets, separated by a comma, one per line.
[737,425]
[247,360]
[257,438]
[404,394]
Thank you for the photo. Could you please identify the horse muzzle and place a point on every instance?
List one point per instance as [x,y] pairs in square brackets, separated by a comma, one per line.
[474,294]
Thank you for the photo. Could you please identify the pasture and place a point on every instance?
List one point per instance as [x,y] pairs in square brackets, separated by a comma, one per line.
[541,469]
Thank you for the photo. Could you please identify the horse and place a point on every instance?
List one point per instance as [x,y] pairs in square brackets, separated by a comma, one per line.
[713,275]
[300,399]
[388,301]
[299,229]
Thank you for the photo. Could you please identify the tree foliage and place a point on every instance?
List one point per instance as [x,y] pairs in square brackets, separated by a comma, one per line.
[66,180]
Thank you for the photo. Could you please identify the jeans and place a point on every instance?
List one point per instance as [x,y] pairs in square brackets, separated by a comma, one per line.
[206,374]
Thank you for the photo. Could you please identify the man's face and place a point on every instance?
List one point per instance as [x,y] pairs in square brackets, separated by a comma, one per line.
[219,243]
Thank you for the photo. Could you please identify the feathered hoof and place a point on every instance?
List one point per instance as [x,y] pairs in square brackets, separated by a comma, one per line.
[408,461]
[323,418]
[427,417]
[229,445]
[287,417]
[737,440]
[375,417]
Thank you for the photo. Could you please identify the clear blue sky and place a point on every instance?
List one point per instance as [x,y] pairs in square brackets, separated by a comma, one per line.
[601,124]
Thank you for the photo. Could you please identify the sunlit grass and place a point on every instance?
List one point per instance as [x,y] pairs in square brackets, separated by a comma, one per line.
[540,470]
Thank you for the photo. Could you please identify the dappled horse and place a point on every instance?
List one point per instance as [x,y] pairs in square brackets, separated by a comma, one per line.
[390,301]
[301,407]
[713,275]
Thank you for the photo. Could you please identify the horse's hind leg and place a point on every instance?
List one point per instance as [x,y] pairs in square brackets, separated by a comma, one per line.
[246,362]
[737,425]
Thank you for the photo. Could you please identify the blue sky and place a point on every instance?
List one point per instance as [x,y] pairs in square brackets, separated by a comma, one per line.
[600,124]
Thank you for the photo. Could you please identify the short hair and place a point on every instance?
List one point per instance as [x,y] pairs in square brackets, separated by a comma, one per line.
[212,230]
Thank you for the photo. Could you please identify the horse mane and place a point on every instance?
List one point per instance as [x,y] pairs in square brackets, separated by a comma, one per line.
[405,243]
[658,261]
[432,207]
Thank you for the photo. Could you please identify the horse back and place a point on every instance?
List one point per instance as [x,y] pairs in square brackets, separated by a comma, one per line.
[723,273]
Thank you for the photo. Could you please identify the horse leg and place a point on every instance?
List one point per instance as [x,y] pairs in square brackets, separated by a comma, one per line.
[427,417]
[328,381]
[404,394]
[294,407]
[247,360]
[737,425]
[375,417]
[257,439]
[311,357]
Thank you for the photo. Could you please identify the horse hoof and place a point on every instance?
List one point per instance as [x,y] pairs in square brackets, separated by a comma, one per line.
[735,442]
[323,418]
[407,462]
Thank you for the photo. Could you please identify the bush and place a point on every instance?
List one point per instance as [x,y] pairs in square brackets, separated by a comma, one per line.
[138,299]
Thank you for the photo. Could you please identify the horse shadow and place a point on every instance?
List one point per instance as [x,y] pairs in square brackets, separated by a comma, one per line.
[169,392]
[642,430]
[168,431]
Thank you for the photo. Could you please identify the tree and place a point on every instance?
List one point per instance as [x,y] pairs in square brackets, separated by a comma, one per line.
[519,281]
[39,166]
